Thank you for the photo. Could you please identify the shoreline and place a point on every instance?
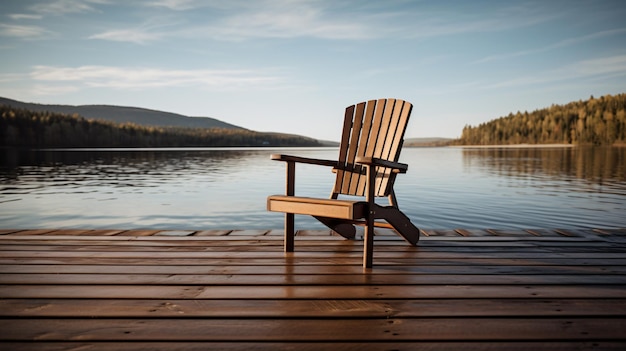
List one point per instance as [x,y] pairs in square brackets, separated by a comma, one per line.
[515,146]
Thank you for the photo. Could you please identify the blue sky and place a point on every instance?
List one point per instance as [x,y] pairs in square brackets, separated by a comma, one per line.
[293,66]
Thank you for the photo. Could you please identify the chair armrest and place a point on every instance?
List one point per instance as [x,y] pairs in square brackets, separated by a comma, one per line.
[312,161]
[373,161]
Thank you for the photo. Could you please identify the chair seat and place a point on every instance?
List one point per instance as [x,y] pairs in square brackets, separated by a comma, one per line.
[342,209]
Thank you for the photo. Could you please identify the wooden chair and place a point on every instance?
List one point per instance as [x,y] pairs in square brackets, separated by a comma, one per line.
[371,141]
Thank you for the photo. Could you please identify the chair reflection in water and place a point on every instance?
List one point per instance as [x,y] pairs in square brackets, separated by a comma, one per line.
[367,167]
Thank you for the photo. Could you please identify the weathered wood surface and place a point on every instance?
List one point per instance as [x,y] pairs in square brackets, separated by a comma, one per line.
[237,290]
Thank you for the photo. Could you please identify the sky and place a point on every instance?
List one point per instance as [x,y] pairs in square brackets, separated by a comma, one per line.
[293,66]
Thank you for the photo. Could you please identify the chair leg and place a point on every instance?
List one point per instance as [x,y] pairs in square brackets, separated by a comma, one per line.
[400,222]
[340,227]
[289,232]
[368,243]
[290,188]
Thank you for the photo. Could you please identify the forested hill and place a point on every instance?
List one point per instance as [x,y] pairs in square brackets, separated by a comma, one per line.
[124,114]
[598,121]
[26,128]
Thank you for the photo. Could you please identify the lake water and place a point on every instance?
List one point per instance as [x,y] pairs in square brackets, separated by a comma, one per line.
[445,188]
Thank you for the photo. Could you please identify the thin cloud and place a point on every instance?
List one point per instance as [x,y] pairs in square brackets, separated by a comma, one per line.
[40,89]
[600,66]
[612,66]
[24,16]
[142,77]
[137,36]
[11,77]
[558,45]
[177,5]
[279,19]
[289,23]
[284,19]
[151,30]
[22,32]
[429,24]
[60,7]
[239,23]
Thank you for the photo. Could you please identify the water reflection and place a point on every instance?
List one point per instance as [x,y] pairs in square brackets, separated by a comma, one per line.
[227,188]
[597,165]
[159,188]
[554,187]
[118,168]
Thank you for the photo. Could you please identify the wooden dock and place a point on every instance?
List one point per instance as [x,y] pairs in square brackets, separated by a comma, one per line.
[237,290]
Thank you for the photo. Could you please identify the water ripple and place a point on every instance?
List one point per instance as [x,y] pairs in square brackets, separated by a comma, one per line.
[226,189]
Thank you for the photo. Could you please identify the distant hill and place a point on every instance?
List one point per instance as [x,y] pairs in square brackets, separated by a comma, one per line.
[24,128]
[122,114]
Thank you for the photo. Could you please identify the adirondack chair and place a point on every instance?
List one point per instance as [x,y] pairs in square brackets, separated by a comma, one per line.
[371,141]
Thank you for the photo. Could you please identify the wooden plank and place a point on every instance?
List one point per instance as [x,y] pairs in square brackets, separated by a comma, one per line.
[249,232]
[312,242]
[427,232]
[105,232]
[566,232]
[33,232]
[337,329]
[364,138]
[312,291]
[463,232]
[614,231]
[312,308]
[323,253]
[318,232]
[509,232]
[351,179]
[69,232]
[395,134]
[392,140]
[211,233]
[600,231]
[381,173]
[444,232]
[294,260]
[320,238]
[255,268]
[314,279]
[139,232]
[315,207]
[243,292]
[533,234]
[343,149]
[543,232]
[175,233]
[432,232]
[320,345]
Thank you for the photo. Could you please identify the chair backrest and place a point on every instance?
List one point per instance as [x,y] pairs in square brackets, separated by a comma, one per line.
[372,129]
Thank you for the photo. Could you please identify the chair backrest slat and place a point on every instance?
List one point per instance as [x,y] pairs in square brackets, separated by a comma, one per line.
[357,123]
[358,178]
[343,148]
[376,129]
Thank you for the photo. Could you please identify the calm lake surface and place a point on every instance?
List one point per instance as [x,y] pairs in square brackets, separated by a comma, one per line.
[445,188]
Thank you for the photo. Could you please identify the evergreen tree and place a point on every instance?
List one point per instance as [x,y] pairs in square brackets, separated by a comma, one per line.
[597,121]
[23,128]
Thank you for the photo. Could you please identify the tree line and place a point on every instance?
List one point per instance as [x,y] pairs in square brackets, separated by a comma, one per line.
[597,121]
[25,128]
